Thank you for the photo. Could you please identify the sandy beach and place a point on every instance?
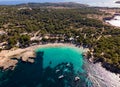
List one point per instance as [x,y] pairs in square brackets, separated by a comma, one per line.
[96,73]
[6,55]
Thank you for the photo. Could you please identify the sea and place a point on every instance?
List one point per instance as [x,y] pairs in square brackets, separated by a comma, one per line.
[114,21]
[52,67]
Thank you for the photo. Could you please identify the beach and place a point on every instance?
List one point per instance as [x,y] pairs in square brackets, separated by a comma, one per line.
[96,73]
[25,53]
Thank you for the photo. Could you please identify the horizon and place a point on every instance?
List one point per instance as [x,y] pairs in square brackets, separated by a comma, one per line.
[98,3]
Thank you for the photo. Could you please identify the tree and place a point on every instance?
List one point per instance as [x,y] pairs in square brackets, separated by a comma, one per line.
[12,42]
[24,40]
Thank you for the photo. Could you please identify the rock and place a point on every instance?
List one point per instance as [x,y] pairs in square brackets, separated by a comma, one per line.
[31,60]
[26,56]
[8,63]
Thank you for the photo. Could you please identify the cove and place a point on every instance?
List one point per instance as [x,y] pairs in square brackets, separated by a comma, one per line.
[52,67]
[56,55]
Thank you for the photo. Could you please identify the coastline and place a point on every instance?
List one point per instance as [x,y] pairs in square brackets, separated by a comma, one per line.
[26,53]
[96,73]
[102,77]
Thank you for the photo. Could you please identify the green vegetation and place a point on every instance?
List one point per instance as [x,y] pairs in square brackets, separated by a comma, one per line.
[24,40]
[22,22]
[108,49]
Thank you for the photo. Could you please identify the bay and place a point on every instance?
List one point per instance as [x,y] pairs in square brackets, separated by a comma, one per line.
[53,67]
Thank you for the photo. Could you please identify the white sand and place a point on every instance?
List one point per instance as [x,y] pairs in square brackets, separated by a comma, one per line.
[9,53]
[6,55]
[97,73]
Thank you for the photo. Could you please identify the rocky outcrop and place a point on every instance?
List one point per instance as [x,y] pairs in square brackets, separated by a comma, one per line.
[111,68]
[9,62]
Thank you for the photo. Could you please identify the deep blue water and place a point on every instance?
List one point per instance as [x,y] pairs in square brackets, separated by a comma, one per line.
[50,65]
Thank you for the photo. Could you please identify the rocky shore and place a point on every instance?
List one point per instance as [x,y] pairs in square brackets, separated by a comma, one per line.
[7,57]
[99,76]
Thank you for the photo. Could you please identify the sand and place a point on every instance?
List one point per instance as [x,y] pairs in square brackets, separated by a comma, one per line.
[100,76]
[6,55]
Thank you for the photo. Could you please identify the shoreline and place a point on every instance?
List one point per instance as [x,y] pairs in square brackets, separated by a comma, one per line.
[102,77]
[96,72]
[6,56]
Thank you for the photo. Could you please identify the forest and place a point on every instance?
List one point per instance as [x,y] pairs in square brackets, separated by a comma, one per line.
[22,21]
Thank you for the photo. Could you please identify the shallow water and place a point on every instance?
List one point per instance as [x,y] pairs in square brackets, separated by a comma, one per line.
[56,55]
[53,67]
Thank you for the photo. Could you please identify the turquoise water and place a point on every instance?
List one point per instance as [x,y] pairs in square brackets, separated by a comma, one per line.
[53,67]
[57,55]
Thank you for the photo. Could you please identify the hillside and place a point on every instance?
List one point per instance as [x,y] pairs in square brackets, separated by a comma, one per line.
[62,4]
[25,25]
